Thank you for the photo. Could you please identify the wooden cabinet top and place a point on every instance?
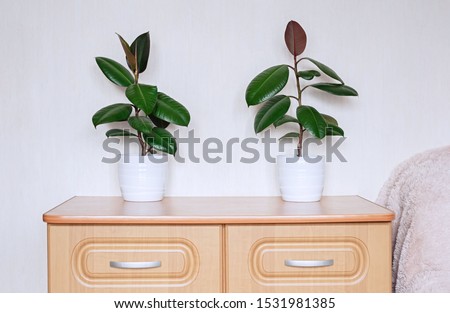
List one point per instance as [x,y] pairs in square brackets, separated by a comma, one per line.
[216,210]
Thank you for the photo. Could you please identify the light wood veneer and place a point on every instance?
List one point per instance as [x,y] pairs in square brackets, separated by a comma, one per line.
[235,244]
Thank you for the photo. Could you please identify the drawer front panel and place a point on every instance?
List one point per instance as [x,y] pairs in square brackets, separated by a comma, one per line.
[309,258]
[134,258]
[175,262]
[306,261]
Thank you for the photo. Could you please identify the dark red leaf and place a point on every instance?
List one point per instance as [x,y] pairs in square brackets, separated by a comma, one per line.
[295,38]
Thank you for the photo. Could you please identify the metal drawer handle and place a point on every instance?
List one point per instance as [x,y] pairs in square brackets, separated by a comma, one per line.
[308,263]
[135,265]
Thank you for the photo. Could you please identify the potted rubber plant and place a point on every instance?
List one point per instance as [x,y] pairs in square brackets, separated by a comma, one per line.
[299,179]
[147,115]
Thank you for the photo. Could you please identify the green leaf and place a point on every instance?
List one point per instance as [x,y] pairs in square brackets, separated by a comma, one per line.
[325,69]
[335,89]
[333,130]
[271,111]
[295,38]
[115,72]
[171,110]
[285,119]
[141,123]
[131,60]
[308,75]
[112,113]
[267,84]
[141,49]
[158,122]
[119,133]
[160,139]
[290,135]
[329,119]
[312,120]
[142,96]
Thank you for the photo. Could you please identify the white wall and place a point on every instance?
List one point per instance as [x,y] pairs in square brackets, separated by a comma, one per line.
[204,53]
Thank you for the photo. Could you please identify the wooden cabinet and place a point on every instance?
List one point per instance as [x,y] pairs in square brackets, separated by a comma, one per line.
[103,244]
[345,257]
[111,258]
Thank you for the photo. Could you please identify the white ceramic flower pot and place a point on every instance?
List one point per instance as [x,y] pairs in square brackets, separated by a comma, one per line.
[300,181]
[142,178]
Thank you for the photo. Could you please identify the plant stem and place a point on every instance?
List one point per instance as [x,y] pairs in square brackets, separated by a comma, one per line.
[299,60]
[141,139]
[300,142]
[292,68]
[136,80]
[142,143]
[136,75]
[299,92]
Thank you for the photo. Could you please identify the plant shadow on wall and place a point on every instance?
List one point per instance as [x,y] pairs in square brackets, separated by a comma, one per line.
[148,115]
[264,88]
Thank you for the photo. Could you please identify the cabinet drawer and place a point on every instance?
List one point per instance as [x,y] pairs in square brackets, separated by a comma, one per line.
[105,258]
[350,257]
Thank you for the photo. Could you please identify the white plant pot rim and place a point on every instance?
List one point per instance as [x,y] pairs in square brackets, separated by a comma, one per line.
[134,158]
[284,158]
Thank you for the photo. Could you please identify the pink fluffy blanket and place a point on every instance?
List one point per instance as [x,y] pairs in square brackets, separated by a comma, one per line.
[418,191]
